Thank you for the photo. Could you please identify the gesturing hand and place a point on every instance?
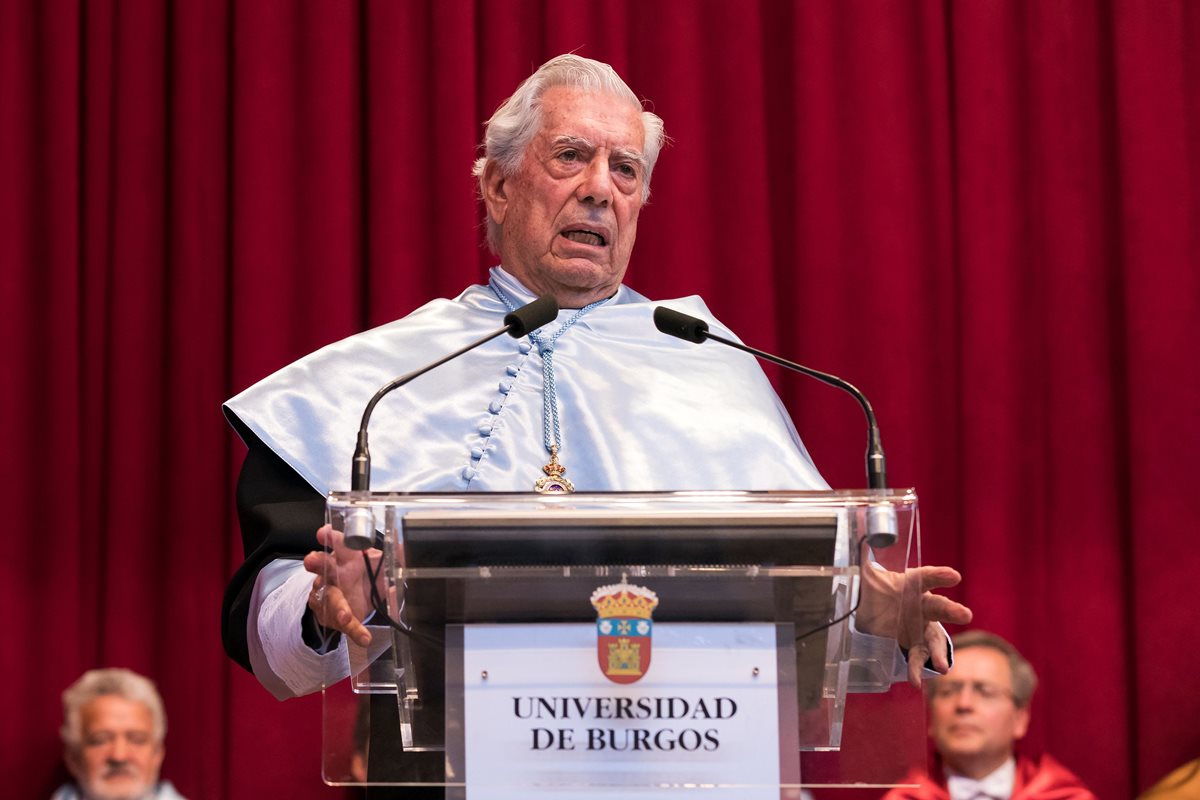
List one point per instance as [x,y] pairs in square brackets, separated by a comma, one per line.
[902,606]
[341,595]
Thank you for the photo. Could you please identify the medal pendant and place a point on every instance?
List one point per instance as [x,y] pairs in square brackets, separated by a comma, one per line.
[554,482]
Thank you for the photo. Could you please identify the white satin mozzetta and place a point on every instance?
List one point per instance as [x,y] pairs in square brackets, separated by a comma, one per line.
[639,410]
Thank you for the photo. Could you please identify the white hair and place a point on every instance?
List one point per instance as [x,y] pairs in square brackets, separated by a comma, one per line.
[99,683]
[518,119]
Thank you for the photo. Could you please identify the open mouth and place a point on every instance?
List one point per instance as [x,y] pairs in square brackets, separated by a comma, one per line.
[583,236]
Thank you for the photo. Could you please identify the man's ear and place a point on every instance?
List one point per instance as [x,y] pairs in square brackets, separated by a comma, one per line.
[1021,723]
[493,186]
[74,761]
[159,755]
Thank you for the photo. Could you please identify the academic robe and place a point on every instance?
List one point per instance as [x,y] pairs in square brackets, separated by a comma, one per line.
[638,411]
[1040,778]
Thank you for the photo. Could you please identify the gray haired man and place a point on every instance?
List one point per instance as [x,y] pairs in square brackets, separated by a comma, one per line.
[113,731]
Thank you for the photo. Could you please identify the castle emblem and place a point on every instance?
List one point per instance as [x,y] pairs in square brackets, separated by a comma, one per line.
[623,628]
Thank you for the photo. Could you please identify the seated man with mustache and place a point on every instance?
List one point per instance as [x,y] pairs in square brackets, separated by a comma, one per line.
[113,731]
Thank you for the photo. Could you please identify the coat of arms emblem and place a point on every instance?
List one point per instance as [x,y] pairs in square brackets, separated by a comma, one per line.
[623,628]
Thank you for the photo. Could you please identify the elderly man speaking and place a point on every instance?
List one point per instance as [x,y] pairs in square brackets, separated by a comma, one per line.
[596,400]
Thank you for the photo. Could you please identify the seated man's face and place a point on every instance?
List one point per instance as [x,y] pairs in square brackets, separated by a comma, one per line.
[118,759]
[972,718]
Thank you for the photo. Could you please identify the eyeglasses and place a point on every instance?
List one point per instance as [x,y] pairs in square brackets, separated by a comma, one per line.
[944,689]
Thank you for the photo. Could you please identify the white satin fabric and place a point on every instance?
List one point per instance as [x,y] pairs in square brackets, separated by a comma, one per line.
[639,410]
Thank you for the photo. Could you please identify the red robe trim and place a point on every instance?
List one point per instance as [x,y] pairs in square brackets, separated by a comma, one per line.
[1037,779]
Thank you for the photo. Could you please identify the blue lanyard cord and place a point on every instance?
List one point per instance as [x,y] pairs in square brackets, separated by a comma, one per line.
[545,348]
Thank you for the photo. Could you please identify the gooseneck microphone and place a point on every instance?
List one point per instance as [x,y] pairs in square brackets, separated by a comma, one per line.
[528,317]
[881,524]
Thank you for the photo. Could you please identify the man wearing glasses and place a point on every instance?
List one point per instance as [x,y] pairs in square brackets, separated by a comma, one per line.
[977,713]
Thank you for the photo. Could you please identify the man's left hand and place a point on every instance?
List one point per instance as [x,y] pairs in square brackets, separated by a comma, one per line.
[902,606]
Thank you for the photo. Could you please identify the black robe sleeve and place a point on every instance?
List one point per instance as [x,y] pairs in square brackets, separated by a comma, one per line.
[279,514]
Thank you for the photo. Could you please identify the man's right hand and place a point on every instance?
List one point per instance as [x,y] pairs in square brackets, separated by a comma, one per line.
[341,595]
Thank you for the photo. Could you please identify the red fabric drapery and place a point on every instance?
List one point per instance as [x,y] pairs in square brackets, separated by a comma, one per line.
[985,214]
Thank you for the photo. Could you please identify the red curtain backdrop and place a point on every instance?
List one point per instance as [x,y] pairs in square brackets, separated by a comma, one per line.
[985,214]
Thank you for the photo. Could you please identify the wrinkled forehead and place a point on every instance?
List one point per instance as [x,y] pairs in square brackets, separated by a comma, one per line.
[110,712]
[602,118]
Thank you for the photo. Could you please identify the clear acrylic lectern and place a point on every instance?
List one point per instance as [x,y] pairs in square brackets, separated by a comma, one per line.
[626,644]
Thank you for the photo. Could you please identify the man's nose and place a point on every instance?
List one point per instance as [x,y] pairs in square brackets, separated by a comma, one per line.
[118,750]
[596,187]
[965,697]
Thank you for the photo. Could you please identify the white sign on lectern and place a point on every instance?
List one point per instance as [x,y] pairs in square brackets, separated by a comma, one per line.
[540,711]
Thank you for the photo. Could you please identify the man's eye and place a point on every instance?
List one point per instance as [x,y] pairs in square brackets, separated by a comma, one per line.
[628,170]
[568,155]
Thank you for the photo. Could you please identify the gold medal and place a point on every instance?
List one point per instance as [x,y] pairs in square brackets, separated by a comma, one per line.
[553,482]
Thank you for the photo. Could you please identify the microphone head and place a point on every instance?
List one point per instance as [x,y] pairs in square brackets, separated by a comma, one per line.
[680,325]
[531,316]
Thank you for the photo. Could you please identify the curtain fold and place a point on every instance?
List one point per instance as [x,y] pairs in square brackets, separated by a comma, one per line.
[986,215]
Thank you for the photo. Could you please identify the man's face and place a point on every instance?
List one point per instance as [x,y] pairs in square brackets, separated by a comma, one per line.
[569,212]
[977,724]
[118,759]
